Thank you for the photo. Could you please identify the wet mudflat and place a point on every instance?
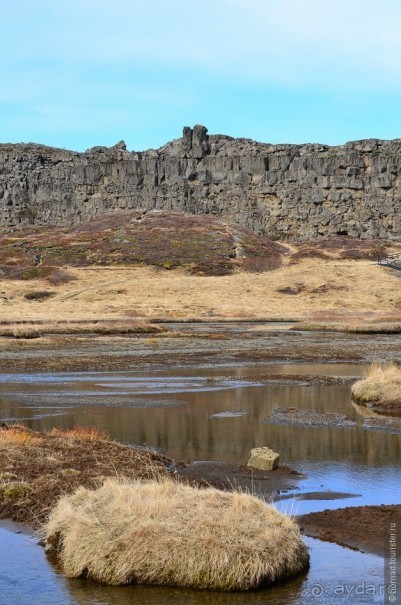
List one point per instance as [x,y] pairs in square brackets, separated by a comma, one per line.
[195,344]
[213,408]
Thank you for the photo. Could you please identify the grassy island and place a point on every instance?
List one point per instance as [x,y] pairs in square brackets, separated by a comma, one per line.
[380,389]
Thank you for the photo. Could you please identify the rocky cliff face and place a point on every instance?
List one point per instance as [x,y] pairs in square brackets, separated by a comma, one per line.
[288,191]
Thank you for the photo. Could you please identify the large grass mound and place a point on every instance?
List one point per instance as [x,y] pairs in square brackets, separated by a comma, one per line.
[173,534]
[199,244]
[381,388]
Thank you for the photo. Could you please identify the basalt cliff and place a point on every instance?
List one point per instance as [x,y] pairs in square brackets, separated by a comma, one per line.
[294,192]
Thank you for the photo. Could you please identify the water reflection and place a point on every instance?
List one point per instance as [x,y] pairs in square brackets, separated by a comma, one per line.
[43,584]
[217,414]
[196,426]
[211,414]
[25,574]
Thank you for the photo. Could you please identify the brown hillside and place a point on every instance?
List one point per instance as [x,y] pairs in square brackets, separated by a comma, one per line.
[200,244]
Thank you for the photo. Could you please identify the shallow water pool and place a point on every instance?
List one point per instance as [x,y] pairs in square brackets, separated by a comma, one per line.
[217,413]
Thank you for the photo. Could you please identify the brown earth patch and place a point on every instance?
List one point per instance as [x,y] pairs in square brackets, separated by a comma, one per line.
[225,475]
[344,247]
[37,468]
[363,528]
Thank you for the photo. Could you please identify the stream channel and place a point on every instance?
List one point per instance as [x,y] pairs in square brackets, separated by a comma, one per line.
[214,413]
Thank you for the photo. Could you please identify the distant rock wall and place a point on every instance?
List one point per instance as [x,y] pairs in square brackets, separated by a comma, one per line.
[288,191]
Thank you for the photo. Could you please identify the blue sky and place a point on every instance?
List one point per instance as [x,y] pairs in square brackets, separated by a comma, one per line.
[79,73]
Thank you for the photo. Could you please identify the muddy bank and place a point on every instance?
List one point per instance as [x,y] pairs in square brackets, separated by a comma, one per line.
[224,475]
[386,425]
[386,409]
[195,344]
[308,418]
[364,528]
[37,468]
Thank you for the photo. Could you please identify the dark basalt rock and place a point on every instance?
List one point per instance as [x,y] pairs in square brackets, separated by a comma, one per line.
[294,192]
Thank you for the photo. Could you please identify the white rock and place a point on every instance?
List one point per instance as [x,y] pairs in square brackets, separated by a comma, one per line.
[263,458]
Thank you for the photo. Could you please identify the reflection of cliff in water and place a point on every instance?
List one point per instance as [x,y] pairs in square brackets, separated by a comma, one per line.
[339,459]
[189,432]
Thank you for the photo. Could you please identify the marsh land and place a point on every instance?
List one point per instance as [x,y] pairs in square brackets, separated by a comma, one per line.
[197,358]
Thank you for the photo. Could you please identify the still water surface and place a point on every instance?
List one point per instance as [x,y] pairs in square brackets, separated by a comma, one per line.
[334,573]
[215,414]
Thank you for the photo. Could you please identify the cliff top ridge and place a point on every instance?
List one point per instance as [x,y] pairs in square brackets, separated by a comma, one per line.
[197,143]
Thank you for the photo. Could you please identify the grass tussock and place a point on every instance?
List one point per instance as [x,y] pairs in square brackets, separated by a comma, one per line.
[18,436]
[162,532]
[86,433]
[352,328]
[352,322]
[14,490]
[381,385]
[26,332]
[101,328]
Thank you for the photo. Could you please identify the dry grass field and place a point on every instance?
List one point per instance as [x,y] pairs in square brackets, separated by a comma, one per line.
[168,266]
[337,287]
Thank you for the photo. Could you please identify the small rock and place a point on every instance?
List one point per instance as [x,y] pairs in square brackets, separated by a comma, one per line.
[263,458]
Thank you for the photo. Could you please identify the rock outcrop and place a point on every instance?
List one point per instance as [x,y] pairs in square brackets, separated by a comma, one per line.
[287,191]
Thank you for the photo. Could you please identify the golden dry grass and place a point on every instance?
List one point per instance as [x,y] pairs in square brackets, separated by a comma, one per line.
[36,469]
[21,331]
[353,321]
[29,330]
[173,534]
[86,433]
[118,293]
[382,384]
[18,436]
[352,326]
